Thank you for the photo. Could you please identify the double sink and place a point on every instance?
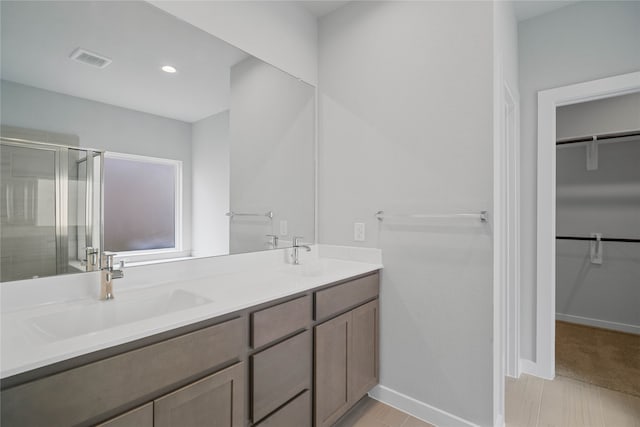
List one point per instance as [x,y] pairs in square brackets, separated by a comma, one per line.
[54,329]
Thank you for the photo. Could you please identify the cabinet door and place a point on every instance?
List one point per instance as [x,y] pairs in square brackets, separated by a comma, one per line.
[139,417]
[215,401]
[331,369]
[363,359]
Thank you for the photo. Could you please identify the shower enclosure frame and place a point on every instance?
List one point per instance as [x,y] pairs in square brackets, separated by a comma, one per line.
[61,187]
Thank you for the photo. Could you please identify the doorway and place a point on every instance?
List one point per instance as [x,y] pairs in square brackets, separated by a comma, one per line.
[548,102]
[597,242]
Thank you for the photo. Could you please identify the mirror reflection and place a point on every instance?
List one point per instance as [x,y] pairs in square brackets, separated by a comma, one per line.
[198,149]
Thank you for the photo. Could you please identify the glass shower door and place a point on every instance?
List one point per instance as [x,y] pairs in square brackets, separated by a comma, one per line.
[50,209]
[28,235]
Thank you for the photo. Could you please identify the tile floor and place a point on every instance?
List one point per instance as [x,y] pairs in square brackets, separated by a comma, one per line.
[371,413]
[530,402]
[564,402]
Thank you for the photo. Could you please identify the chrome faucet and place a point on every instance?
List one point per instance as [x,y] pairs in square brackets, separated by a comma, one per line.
[295,255]
[91,258]
[273,241]
[108,274]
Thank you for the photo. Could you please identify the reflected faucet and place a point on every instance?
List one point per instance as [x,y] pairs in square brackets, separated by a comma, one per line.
[91,258]
[108,274]
[273,241]
[296,246]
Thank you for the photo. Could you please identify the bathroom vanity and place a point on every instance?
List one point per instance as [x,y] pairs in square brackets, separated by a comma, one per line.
[297,360]
[194,164]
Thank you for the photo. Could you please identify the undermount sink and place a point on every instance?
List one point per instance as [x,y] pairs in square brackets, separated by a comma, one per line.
[108,314]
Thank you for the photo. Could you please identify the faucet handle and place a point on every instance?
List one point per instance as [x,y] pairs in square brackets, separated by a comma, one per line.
[297,240]
[91,258]
[273,240]
[107,260]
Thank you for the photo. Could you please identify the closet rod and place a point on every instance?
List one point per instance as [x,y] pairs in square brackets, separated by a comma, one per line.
[602,239]
[602,137]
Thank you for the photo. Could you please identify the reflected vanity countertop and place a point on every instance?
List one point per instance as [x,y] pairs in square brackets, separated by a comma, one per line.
[44,333]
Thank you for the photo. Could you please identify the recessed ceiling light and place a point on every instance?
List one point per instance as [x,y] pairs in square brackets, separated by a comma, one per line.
[169,69]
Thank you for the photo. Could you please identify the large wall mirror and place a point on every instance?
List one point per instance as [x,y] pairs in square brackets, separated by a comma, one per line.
[128,130]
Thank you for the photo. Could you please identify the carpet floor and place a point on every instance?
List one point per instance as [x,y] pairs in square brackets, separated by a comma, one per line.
[598,356]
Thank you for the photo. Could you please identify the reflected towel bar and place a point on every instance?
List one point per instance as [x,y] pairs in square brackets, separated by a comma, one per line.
[483,216]
[266,214]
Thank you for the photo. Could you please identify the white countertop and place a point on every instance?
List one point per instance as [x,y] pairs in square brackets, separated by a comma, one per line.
[27,342]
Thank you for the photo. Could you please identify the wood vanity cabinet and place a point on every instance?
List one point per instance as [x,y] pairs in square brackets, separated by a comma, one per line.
[281,373]
[296,413]
[346,348]
[273,365]
[138,417]
[213,401]
[275,322]
[95,391]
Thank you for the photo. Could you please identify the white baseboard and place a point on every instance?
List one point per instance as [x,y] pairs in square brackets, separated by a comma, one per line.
[530,367]
[605,324]
[418,409]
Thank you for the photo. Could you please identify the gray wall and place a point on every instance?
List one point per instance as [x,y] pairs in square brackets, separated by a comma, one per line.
[405,98]
[607,201]
[272,154]
[581,42]
[210,145]
[105,127]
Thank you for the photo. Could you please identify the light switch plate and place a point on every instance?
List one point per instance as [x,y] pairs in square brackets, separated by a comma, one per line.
[283,227]
[358,232]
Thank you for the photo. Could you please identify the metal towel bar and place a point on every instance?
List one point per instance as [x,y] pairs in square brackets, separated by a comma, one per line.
[482,215]
[266,214]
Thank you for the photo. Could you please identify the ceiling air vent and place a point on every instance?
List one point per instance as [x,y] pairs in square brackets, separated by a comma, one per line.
[90,58]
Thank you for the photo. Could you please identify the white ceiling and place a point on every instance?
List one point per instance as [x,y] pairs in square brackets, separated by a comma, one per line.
[524,9]
[322,8]
[38,37]
[527,9]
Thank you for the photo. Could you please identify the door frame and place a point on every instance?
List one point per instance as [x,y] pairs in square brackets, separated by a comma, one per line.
[511,165]
[506,245]
[548,101]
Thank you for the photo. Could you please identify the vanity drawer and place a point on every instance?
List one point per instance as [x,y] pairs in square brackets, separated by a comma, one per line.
[296,413]
[139,417]
[280,373]
[346,295]
[275,322]
[81,394]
